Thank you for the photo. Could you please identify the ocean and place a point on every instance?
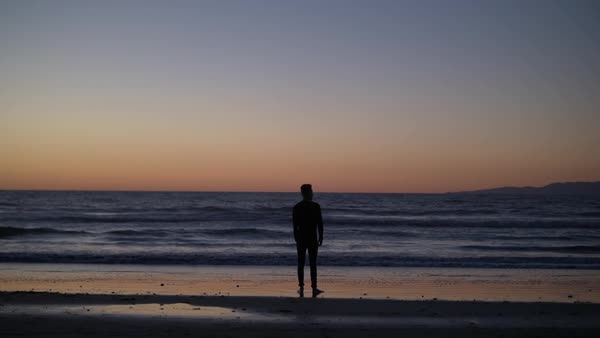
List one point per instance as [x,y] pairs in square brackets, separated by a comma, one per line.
[212,228]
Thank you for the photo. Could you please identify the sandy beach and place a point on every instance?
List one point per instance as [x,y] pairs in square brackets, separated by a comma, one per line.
[114,300]
[70,315]
[514,285]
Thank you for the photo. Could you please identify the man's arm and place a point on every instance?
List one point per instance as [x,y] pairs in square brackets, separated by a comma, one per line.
[295,224]
[320,225]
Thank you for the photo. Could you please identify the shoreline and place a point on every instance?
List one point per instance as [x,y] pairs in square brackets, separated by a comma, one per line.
[455,284]
[100,315]
[256,301]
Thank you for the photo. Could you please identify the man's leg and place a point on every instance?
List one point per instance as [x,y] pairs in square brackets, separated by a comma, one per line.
[312,257]
[301,259]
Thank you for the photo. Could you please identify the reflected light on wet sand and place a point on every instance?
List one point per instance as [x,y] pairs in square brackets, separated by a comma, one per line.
[180,310]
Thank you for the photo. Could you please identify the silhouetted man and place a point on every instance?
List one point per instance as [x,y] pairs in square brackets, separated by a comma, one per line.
[308,233]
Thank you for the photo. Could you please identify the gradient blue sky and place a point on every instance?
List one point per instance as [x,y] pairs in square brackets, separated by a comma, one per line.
[393,96]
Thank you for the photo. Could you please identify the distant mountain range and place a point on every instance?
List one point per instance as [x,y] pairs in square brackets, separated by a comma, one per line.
[554,188]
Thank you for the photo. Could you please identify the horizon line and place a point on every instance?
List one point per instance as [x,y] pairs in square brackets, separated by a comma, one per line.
[220,191]
[291,191]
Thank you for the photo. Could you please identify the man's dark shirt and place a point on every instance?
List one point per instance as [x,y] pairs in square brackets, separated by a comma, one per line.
[307,221]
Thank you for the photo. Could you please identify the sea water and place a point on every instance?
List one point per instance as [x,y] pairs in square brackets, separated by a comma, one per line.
[213,228]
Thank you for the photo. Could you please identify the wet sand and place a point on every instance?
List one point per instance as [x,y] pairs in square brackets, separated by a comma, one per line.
[170,301]
[280,281]
[69,315]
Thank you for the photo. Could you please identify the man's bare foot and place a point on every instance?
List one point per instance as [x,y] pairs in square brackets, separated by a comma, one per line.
[317,292]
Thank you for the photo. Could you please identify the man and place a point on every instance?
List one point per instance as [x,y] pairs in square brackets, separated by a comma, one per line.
[308,233]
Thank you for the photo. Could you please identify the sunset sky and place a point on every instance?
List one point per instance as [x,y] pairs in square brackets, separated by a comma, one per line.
[361,96]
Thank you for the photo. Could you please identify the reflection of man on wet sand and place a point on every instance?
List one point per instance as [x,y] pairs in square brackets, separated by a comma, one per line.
[308,233]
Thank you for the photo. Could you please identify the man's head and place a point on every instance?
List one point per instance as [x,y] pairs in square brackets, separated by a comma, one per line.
[307,193]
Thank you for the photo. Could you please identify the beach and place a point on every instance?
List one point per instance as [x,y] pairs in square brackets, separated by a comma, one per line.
[531,285]
[38,314]
[112,300]
[130,264]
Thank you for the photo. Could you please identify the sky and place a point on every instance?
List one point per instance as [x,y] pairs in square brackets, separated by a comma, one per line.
[351,96]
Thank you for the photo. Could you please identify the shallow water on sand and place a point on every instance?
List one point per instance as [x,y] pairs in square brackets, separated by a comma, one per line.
[338,282]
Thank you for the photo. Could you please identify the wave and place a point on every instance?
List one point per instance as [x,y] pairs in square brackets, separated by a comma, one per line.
[15,231]
[186,233]
[284,259]
[465,221]
[329,220]
[150,217]
[360,232]
[200,244]
[143,233]
[345,216]
[405,212]
[246,232]
[534,237]
[583,249]
[113,219]
[589,213]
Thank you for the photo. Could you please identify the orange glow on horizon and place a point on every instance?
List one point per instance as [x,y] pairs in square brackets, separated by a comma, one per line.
[252,167]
